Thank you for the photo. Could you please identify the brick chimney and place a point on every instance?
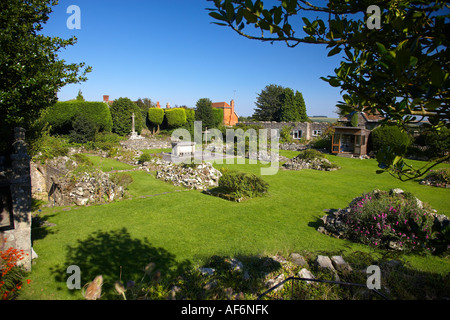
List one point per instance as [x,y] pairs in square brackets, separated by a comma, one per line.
[232,106]
[168,105]
[158,105]
[105,98]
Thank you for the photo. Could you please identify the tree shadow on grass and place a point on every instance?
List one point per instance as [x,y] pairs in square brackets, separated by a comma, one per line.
[116,256]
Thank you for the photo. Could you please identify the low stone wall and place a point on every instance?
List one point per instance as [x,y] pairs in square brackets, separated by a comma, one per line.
[145,143]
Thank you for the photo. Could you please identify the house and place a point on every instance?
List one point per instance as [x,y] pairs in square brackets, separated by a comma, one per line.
[230,118]
[353,136]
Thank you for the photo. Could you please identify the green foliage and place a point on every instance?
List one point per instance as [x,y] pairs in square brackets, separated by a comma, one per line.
[31,71]
[391,136]
[438,143]
[269,103]
[62,115]
[106,141]
[175,117]
[84,130]
[388,69]
[49,147]
[354,120]
[380,218]
[276,103]
[285,134]
[242,185]
[121,113]
[121,179]
[155,116]
[204,113]
[310,154]
[144,157]
[293,108]
[439,177]
[80,96]
[218,117]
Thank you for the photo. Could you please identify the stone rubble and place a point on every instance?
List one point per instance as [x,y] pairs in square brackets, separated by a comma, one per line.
[298,163]
[199,177]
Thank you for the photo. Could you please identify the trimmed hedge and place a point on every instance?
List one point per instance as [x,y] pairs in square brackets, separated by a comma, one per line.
[155,116]
[175,117]
[62,114]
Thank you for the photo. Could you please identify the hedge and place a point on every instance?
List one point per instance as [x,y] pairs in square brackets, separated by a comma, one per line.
[61,115]
[175,117]
[155,116]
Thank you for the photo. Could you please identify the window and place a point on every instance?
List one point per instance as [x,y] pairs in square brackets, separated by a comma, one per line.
[317,132]
[297,134]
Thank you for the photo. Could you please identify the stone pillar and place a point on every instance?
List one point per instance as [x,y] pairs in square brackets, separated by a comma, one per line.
[20,186]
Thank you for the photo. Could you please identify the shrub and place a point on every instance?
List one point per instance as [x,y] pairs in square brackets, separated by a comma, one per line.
[61,115]
[121,179]
[83,130]
[310,154]
[390,137]
[121,113]
[438,143]
[155,117]
[218,117]
[439,177]
[242,185]
[145,157]
[175,117]
[106,141]
[383,219]
[49,147]
[285,134]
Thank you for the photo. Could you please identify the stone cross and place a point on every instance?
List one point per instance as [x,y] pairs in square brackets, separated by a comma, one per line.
[132,123]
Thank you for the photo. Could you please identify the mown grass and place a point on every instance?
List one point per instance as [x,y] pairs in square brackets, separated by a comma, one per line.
[176,228]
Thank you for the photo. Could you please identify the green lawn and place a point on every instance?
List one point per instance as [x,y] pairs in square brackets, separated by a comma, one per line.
[173,229]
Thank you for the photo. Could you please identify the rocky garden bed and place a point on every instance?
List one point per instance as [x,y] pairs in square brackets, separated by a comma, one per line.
[310,159]
[394,220]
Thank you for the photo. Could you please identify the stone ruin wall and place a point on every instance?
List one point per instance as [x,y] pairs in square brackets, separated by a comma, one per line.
[15,193]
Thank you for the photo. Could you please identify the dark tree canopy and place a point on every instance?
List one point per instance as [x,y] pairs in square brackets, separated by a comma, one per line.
[204,113]
[30,71]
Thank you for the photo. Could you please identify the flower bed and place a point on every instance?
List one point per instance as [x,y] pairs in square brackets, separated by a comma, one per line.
[390,220]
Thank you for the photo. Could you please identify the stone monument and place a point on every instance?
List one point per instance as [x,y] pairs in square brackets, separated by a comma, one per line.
[134,135]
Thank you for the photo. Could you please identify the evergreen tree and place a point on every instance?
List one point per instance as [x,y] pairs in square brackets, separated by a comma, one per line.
[268,103]
[301,105]
[204,113]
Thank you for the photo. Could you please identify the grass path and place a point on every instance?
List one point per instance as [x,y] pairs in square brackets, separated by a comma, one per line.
[174,228]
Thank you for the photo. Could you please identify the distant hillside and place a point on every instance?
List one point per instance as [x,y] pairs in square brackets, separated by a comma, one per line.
[322,119]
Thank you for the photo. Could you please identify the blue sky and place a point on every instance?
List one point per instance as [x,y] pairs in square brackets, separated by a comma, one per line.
[169,51]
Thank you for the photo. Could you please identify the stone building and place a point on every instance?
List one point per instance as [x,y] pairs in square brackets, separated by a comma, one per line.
[352,139]
[299,130]
[15,195]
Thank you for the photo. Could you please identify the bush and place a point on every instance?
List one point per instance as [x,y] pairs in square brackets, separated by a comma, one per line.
[121,179]
[49,147]
[83,130]
[439,177]
[155,116]
[106,141]
[438,143]
[145,157]
[383,219]
[390,137]
[121,113]
[175,117]
[242,185]
[310,154]
[62,115]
